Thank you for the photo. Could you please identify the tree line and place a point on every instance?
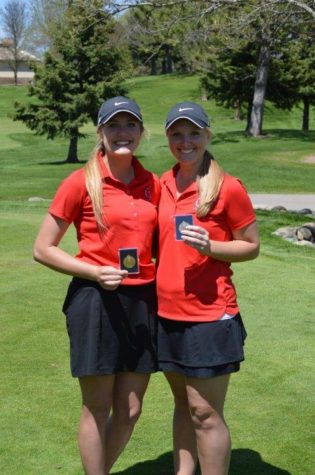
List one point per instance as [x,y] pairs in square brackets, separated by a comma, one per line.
[244,52]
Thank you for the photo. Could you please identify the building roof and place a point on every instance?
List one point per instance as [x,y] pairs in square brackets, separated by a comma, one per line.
[6,53]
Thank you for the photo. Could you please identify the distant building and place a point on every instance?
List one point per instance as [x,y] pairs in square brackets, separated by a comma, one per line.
[25,75]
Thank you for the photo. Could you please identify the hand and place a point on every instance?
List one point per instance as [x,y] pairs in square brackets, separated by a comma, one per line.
[109,277]
[198,238]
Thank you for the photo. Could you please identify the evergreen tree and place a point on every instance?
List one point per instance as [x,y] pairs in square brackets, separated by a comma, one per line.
[81,69]
[155,36]
[230,80]
[295,69]
[230,76]
[248,66]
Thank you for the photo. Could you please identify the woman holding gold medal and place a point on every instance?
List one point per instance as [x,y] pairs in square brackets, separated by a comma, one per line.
[206,221]
[110,305]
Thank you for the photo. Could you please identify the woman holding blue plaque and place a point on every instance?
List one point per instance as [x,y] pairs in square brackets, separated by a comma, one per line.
[110,306]
[206,221]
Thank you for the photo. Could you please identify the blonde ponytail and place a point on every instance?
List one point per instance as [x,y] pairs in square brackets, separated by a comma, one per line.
[209,180]
[93,181]
[94,186]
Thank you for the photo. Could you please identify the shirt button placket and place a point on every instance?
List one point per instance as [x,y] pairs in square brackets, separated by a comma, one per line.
[133,211]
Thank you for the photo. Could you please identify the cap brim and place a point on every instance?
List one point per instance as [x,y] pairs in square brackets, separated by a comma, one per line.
[199,124]
[101,122]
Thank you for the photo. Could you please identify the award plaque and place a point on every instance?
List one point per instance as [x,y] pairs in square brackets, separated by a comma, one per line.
[128,260]
[181,222]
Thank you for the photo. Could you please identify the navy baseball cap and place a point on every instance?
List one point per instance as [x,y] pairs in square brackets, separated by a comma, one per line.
[190,111]
[117,104]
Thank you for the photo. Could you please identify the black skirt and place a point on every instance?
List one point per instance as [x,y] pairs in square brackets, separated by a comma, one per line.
[111,331]
[201,350]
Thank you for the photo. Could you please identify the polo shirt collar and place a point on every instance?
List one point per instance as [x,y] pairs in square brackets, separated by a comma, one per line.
[140,172]
[171,183]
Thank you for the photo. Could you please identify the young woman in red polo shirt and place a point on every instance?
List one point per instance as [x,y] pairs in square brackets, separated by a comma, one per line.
[110,305]
[206,221]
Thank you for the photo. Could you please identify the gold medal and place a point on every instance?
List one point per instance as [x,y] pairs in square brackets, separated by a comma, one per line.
[129,261]
[183,225]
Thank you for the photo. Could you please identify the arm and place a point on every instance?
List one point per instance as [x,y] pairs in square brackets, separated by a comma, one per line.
[47,252]
[243,247]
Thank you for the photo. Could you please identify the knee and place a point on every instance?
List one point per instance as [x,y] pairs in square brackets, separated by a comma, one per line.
[134,413]
[127,416]
[204,417]
[99,412]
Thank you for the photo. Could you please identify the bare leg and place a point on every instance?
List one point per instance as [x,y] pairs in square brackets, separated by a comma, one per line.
[206,400]
[184,439]
[129,390]
[96,403]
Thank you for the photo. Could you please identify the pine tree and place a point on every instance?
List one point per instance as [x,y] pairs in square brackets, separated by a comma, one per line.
[296,70]
[230,77]
[250,65]
[155,36]
[81,69]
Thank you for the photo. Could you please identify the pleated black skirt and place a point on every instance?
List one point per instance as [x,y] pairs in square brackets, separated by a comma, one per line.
[201,350]
[111,331]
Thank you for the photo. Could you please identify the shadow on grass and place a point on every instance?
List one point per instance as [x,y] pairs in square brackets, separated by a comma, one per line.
[268,135]
[249,462]
[289,134]
[62,162]
[163,465]
[243,462]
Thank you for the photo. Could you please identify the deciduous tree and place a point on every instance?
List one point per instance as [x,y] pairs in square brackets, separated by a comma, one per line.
[15,22]
[82,68]
[267,22]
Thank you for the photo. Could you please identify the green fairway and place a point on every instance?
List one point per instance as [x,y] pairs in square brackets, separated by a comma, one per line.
[270,402]
[269,405]
[33,166]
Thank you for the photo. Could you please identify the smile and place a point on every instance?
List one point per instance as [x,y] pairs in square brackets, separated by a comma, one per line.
[122,143]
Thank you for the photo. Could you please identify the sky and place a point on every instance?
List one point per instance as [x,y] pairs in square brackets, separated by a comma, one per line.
[2,4]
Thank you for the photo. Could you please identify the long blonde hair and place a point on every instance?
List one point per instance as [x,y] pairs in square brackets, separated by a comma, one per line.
[94,186]
[209,180]
[93,181]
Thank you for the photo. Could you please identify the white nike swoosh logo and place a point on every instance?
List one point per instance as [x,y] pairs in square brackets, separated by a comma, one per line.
[185,109]
[119,103]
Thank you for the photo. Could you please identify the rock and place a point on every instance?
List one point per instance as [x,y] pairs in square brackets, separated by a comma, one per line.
[305,211]
[304,243]
[279,208]
[306,233]
[286,232]
[36,198]
[301,235]
[263,207]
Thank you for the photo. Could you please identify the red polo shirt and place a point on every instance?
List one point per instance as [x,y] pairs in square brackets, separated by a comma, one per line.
[190,286]
[130,212]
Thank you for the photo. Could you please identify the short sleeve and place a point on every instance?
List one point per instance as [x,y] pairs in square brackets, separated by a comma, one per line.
[68,201]
[238,206]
